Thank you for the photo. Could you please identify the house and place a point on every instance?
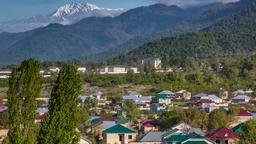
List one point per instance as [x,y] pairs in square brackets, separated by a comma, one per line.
[150,125]
[214,98]
[160,103]
[142,102]
[237,129]
[116,69]
[188,139]
[241,99]
[3,108]
[168,93]
[5,74]
[182,126]
[152,138]
[103,126]
[171,132]
[155,62]
[42,110]
[161,99]
[183,94]
[244,115]
[54,69]
[221,93]
[224,136]
[119,134]
[209,105]
[244,91]
[198,97]
[81,69]
[40,118]
[158,108]
[3,134]
[187,129]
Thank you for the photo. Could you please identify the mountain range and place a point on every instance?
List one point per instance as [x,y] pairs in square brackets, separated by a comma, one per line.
[94,37]
[65,15]
[232,36]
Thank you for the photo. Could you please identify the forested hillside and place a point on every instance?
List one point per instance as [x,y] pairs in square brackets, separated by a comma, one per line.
[208,15]
[233,36]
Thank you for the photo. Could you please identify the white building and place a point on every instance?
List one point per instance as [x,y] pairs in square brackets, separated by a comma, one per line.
[241,99]
[81,69]
[155,62]
[5,74]
[54,69]
[213,98]
[116,69]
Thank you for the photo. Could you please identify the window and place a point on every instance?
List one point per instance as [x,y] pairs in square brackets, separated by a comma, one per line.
[120,138]
[130,137]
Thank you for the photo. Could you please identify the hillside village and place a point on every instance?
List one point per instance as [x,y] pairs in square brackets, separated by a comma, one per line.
[143,119]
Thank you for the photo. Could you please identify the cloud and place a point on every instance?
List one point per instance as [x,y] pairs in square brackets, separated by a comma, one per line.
[186,3]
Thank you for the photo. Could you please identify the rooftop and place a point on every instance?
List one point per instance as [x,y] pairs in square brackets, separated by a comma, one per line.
[152,137]
[223,133]
[244,112]
[118,129]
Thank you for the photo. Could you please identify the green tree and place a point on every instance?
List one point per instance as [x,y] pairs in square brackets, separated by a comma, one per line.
[248,132]
[29,88]
[131,110]
[169,119]
[195,117]
[217,119]
[14,134]
[60,125]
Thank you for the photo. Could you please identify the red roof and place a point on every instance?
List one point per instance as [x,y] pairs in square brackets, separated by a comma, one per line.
[2,106]
[206,101]
[244,112]
[41,117]
[148,125]
[223,133]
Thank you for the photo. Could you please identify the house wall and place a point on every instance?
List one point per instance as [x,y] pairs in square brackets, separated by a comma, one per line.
[114,138]
[148,129]
[145,143]
[230,141]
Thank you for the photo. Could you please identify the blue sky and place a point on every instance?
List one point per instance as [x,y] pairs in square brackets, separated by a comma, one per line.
[19,9]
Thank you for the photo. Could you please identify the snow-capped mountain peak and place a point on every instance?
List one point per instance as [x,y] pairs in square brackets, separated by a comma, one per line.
[84,10]
[71,9]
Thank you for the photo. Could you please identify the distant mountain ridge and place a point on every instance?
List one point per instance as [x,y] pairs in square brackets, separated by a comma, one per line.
[94,35]
[210,14]
[232,36]
[65,15]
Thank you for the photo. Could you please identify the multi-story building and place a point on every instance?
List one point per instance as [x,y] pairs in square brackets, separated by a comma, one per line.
[155,62]
[116,69]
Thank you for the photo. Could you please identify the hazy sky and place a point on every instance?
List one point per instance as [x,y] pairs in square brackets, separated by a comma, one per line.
[18,9]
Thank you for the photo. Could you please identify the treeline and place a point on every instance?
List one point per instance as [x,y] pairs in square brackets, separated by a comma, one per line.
[195,76]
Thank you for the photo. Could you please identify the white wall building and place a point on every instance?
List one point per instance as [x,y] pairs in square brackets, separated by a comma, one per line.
[155,62]
[116,69]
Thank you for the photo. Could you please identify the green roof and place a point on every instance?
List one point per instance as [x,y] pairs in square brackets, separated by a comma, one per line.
[161,96]
[223,109]
[238,128]
[119,129]
[195,142]
[178,138]
[169,133]
[182,138]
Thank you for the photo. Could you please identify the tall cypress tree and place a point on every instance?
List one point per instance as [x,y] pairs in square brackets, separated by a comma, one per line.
[28,89]
[63,118]
[15,136]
